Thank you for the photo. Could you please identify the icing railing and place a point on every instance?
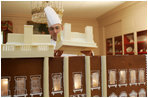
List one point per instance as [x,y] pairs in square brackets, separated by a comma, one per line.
[26,50]
[6,47]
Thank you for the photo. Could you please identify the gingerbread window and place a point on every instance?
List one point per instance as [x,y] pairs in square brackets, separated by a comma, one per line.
[36,85]
[122,77]
[112,78]
[20,86]
[132,77]
[57,83]
[77,80]
[141,76]
[5,90]
[95,83]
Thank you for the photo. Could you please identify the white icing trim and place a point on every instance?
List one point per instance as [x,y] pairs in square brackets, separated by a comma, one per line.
[113,95]
[142,91]
[123,94]
[133,93]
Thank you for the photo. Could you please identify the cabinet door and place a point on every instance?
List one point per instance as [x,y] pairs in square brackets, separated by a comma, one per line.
[129,44]
[109,46]
[118,45]
[142,42]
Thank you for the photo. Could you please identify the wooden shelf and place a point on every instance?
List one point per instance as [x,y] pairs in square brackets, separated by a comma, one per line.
[139,42]
[142,52]
[109,53]
[118,52]
[129,52]
[129,43]
[119,45]
[109,45]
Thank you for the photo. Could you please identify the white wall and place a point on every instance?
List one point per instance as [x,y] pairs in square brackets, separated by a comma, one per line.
[130,17]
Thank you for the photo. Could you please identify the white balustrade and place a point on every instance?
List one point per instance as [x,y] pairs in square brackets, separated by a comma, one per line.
[43,47]
[8,48]
[25,48]
[28,50]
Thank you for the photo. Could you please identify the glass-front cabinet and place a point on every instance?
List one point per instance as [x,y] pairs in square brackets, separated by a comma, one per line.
[129,44]
[118,45]
[132,43]
[109,46]
[142,42]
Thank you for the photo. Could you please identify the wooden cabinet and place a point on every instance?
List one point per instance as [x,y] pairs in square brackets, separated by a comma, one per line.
[109,46]
[142,42]
[129,44]
[134,43]
[118,45]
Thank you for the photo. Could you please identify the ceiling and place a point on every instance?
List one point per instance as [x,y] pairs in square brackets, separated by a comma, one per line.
[77,9]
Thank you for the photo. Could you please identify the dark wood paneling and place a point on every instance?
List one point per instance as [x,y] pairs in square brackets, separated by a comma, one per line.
[95,65]
[55,66]
[126,62]
[76,64]
[22,67]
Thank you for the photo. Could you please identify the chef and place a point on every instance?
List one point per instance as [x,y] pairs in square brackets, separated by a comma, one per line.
[54,27]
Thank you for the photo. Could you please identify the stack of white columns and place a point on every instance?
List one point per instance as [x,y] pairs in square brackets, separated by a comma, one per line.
[66,76]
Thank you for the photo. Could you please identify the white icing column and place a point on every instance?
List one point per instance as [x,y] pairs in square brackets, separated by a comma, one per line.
[67,31]
[46,77]
[28,34]
[89,33]
[66,76]
[104,77]
[87,76]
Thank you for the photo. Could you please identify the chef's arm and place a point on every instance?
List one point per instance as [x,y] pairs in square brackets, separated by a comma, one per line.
[58,53]
[88,52]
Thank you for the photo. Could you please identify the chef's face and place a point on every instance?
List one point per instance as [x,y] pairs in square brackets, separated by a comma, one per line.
[54,30]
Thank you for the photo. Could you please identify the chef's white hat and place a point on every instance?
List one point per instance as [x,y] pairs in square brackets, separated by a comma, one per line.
[52,16]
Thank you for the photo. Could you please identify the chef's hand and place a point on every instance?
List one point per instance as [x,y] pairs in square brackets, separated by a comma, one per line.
[58,53]
[87,53]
